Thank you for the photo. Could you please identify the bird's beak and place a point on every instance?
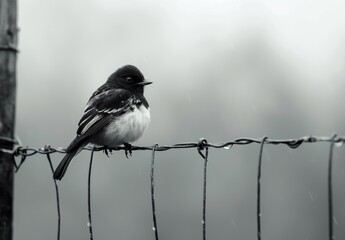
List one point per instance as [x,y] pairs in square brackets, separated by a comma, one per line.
[144,83]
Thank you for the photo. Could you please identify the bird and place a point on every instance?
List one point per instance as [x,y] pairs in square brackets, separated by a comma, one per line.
[116,114]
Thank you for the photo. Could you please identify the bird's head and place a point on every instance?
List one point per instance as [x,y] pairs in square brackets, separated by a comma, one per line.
[128,77]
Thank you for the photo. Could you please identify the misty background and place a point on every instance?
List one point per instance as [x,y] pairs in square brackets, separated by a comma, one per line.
[221,70]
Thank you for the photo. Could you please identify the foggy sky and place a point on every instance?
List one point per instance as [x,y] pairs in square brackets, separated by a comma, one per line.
[221,70]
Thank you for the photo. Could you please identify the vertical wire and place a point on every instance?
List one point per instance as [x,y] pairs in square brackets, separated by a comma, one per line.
[201,146]
[154,220]
[204,197]
[330,190]
[57,198]
[258,196]
[89,222]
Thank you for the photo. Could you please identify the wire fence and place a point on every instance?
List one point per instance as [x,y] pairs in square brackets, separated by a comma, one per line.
[202,146]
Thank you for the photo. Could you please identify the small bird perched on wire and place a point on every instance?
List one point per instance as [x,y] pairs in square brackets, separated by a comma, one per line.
[117,113]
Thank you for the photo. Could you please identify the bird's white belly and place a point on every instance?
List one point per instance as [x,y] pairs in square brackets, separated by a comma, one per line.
[126,128]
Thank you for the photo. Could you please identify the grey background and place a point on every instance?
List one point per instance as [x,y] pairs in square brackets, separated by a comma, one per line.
[221,70]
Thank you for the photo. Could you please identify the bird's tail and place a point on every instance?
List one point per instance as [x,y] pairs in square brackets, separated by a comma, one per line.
[62,167]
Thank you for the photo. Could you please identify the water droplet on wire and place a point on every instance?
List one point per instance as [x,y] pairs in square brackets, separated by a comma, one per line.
[339,144]
[88,224]
[227,147]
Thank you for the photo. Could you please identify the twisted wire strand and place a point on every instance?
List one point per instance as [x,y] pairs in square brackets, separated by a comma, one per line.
[292,143]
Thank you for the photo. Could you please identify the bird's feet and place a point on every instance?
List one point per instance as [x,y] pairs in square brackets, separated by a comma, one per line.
[107,150]
[128,149]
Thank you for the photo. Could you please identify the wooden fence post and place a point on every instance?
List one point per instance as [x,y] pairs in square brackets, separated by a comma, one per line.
[8,52]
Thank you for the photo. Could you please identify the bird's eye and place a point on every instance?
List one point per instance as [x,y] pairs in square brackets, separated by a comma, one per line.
[129,79]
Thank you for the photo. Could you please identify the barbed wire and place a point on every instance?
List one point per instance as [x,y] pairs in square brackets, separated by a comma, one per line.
[12,146]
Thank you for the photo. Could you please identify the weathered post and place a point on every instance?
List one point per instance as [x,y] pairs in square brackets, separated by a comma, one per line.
[8,52]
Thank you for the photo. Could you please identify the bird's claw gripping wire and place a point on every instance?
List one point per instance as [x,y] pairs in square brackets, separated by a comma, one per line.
[128,149]
[107,151]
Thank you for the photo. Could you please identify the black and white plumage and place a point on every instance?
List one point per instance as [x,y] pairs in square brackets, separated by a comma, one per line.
[117,113]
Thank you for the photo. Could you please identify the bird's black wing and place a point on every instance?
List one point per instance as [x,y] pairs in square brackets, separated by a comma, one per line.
[103,105]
